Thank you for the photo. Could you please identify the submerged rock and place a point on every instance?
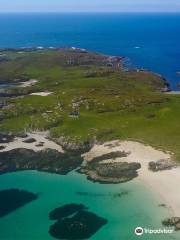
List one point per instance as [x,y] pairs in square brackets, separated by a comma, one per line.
[65,211]
[12,199]
[74,222]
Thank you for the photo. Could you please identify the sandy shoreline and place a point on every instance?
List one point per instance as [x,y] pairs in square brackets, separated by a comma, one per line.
[162,183]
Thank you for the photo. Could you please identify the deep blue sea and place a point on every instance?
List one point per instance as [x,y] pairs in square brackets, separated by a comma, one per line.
[151,41]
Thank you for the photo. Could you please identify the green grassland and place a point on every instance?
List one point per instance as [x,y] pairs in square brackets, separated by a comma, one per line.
[113,104]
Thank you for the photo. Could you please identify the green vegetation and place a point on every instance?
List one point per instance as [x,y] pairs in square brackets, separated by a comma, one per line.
[111,103]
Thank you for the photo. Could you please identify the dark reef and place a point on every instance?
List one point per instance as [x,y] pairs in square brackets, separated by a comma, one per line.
[74,222]
[12,199]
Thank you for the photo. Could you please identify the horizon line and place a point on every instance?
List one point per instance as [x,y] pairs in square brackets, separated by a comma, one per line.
[90,12]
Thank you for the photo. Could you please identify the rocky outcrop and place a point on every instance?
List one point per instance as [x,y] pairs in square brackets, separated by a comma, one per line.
[172,222]
[6,137]
[163,164]
[29,140]
[73,145]
[47,160]
[111,172]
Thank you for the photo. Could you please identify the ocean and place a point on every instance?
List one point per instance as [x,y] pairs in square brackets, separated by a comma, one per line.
[150,41]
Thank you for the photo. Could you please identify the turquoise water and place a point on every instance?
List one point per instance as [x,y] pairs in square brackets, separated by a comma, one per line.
[137,208]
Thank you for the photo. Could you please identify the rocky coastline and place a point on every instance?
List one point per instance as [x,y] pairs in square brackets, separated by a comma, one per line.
[48,160]
[53,161]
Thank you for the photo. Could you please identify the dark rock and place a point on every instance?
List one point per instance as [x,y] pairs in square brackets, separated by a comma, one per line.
[47,160]
[72,145]
[172,222]
[110,172]
[13,199]
[74,222]
[29,140]
[161,165]
[22,135]
[6,138]
[2,147]
[162,205]
[111,155]
[41,144]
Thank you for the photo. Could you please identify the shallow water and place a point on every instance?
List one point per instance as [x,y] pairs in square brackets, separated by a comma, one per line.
[124,213]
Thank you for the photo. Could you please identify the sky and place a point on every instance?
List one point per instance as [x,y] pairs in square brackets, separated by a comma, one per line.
[89,5]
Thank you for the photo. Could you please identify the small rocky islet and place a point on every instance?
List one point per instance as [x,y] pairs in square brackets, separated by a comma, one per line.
[74,221]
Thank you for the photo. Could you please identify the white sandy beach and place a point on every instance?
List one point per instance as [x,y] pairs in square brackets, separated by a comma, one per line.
[40,137]
[43,94]
[163,183]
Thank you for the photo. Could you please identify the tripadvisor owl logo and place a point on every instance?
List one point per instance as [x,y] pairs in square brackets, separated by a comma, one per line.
[139,231]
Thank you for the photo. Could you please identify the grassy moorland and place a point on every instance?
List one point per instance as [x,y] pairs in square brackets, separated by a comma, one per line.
[112,103]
